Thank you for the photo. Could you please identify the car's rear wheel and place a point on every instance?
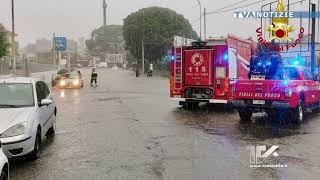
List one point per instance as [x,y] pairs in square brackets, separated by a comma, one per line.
[4,173]
[35,154]
[297,114]
[245,115]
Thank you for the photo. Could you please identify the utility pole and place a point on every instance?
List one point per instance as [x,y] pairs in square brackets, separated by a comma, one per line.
[69,60]
[26,58]
[200,18]
[313,38]
[76,51]
[54,49]
[59,63]
[13,40]
[142,57]
[104,5]
[205,23]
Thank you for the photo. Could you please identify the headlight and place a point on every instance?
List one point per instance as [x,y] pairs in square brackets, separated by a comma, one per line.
[62,83]
[76,82]
[15,130]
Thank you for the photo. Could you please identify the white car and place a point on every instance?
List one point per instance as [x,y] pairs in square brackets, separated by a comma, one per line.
[103,65]
[27,113]
[115,68]
[4,164]
[70,80]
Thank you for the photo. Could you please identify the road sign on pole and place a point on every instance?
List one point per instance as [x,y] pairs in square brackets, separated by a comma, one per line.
[61,44]
[181,41]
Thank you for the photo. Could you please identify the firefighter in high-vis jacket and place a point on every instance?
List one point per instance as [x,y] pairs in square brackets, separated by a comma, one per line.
[94,77]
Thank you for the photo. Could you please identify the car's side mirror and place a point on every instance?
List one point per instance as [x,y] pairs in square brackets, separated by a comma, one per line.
[46,102]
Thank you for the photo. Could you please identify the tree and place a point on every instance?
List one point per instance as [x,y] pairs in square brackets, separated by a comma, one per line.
[4,44]
[106,39]
[156,26]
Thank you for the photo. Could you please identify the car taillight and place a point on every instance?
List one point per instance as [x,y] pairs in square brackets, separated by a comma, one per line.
[288,93]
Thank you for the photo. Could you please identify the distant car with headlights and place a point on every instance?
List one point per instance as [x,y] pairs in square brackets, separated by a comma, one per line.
[69,81]
[28,113]
[4,164]
[60,74]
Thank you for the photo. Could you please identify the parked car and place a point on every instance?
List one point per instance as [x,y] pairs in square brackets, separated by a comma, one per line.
[115,68]
[28,113]
[4,164]
[103,65]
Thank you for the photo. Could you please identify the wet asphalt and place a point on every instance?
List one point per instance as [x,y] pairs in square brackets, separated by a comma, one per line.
[128,128]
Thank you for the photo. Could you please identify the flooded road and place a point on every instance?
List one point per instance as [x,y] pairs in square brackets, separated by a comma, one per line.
[128,128]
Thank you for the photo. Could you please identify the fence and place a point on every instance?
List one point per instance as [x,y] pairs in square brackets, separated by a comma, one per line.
[44,76]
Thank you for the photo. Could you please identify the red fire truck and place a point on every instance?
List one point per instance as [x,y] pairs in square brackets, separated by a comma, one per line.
[201,71]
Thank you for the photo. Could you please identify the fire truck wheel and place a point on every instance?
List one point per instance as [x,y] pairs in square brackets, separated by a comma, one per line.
[245,115]
[297,114]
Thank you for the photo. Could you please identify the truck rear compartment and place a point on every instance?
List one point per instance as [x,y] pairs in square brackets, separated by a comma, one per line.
[259,90]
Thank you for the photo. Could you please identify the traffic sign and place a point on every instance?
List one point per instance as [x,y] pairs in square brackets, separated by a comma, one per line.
[61,43]
[181,41]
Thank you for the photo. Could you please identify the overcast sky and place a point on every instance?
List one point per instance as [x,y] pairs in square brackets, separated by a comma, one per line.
[76,18]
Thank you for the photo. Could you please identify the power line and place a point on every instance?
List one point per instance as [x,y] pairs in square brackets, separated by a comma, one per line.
[231,5]
[228,6]
[196,20]
[217,12]
[297,2]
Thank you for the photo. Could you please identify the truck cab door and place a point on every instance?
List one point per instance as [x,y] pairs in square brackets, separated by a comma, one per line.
[310,86]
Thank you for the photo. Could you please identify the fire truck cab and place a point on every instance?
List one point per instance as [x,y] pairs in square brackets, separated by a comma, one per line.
[201,71]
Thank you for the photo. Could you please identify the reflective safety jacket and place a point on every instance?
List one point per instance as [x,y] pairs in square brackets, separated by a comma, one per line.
[94,74]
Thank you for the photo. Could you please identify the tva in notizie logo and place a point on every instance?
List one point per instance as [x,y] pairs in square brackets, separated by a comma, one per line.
[259,156]
[280,30]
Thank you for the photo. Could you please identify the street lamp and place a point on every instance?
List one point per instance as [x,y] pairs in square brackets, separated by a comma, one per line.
[13,40]
[200,18]
[104,5]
